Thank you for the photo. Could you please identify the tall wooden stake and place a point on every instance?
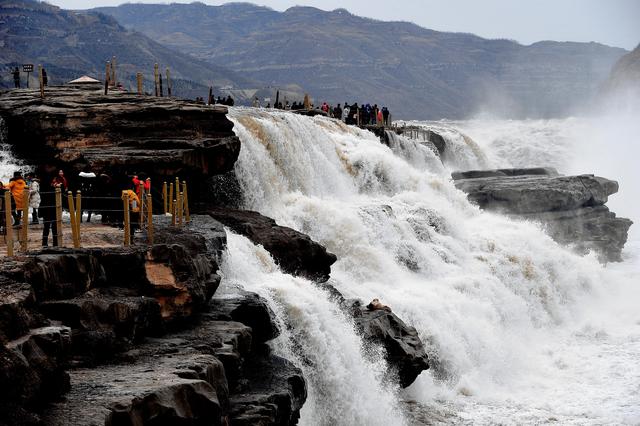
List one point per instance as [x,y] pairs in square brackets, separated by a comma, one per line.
[8,224]
[78,216]
[59,216]
[139,80]
[164,198]
[107,77]
[171,198]
[160,85]
[114,78]
[149,219]
[155,77]
[185,198]
[168,83]
[127,226]
[41,81]
[24,236]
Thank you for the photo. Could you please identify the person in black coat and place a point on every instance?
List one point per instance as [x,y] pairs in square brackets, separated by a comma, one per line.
[16,77]
[47,212]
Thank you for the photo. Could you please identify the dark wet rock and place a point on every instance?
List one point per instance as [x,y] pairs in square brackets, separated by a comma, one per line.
[251,310]
[275,393]
[120,133]
[32,372]
[106,321]
[17,310]
[295,252]
[572,208]
[404,350]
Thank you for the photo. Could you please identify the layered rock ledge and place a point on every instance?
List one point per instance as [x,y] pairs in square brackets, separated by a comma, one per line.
[571,208]
[132,336]
[119,133]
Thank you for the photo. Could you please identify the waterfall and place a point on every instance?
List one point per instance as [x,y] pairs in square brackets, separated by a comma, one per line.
[503,309]
[8,163]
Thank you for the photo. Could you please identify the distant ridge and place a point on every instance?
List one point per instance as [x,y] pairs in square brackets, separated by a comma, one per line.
[71,44]
[417,72]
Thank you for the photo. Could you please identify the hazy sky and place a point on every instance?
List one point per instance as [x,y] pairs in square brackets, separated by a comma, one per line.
[612,22]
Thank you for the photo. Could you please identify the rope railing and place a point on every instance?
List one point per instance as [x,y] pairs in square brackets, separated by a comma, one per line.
[133,212]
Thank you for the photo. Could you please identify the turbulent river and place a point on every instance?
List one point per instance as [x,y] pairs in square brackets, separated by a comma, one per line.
[519,330]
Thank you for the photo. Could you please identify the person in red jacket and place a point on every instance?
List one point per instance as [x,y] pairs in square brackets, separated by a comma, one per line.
[60,181]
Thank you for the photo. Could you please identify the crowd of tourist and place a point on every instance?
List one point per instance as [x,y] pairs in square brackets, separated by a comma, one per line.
[100,194]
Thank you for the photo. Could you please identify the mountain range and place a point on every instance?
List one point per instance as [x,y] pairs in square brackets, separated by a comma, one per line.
[70,44]
[249,50]
[417,72]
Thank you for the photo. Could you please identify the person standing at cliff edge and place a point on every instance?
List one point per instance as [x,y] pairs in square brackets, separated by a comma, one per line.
[17,186]
[48,214]
[60,181]
[16,77]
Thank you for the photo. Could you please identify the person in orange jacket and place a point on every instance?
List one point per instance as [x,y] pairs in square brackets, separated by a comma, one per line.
[134,209]
[17,186]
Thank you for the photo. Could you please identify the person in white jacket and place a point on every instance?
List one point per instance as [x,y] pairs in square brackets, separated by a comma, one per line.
[34,198]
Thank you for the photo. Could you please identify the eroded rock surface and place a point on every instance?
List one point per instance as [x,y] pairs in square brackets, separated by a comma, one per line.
[119,133]
[572,208]
[294,252]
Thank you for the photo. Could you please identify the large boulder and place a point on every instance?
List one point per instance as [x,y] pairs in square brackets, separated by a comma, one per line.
[294,251]
[572,208]
[249,309]
[403,348]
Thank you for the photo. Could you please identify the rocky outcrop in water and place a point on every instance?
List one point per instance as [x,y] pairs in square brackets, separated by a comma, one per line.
[571,208]
[119,134]
[294,252]
[131,336]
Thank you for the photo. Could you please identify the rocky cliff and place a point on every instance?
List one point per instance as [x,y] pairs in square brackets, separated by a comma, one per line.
[571,208]
[131,336]
[118,134]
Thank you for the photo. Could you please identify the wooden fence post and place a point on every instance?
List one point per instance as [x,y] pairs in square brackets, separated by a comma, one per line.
[41,81]
[114,78]
[168,82]
[78,216]
[8,224]
[107,77]
[149,219]
[173,212]
[24,236]
[59,216]
[139,80]
[179,207]
[127,226]
[155,77]
[72,214]
[164,198]
[171,200]
[185,198]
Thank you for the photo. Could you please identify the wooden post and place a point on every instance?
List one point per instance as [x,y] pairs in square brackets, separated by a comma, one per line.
[24,234]
[210,102]
[155,77]
[179,208]
[78,216]
[8,224]
[41,82]
[171,202]
[142,203]
[160,84]
[107,77]
[114,79]
[173,212]
[164,198]
[185,198]
[139,80]
[72,214]
[127,225]
[59,215]
[149,219]
[168,83]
